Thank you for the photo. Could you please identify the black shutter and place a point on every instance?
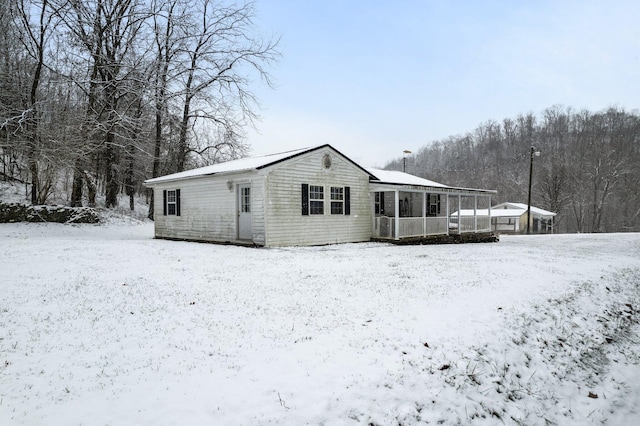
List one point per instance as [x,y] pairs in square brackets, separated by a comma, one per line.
[439,197]
[347,200]
[177,202]
[382,203]
[305,199]
[164,202]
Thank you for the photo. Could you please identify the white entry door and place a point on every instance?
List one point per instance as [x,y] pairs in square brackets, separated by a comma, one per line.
[244,212]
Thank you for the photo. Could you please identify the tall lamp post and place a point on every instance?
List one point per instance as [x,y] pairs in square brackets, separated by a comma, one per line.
[533,153]
[404,159]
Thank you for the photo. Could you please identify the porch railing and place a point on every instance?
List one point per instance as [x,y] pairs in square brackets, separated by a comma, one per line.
[385,227]
[469,224]
[484,223]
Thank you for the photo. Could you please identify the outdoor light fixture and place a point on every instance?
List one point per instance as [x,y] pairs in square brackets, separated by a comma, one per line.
[404,159]
[533,153]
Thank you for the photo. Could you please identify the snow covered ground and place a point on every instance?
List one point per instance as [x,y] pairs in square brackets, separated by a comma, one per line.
[103,325]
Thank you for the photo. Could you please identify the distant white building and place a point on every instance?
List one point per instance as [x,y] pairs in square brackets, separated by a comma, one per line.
[311,196]
[511,218]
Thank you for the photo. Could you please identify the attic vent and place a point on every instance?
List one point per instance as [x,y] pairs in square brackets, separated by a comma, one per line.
[326,161]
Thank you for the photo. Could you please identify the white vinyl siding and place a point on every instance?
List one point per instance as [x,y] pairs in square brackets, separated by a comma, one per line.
[210,205]
[209,209]
[286,226]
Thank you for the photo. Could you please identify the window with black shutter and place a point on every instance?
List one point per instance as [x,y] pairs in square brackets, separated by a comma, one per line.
[337,200]
[171,202]
[313,200]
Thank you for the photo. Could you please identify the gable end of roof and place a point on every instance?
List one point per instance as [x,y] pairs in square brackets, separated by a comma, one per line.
[313,149]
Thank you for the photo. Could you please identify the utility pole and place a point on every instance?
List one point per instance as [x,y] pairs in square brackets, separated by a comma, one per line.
[404,160]
[533,153]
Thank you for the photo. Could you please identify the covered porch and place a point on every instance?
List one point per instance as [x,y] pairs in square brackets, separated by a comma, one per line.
[410,211]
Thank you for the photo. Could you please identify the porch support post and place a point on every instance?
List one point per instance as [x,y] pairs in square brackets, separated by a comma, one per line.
[372,201]
[489,212]
[459,213]
[475,213]
[397,214]
[424,213]
[447,200]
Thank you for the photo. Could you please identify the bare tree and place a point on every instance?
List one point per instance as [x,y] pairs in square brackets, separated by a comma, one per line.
[33,34]
[165,13]
[85,102]
[205,53]
[220,51]
[108,30]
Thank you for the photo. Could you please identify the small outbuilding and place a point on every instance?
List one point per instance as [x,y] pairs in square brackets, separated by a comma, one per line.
[511,218]
[310,196]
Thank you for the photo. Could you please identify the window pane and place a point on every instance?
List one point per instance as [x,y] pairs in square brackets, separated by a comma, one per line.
[337,207]
[337,200]
[316,192]
[171,202]
[337,193]
[246,200]
[316,207]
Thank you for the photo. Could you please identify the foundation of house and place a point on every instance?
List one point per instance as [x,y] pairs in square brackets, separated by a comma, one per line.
[480,237]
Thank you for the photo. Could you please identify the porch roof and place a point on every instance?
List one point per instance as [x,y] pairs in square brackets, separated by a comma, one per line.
[485,212]
[509,206]
[501,212]
[408,182]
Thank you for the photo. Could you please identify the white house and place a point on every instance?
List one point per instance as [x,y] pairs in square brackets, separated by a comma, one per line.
[311,196]
[511,218]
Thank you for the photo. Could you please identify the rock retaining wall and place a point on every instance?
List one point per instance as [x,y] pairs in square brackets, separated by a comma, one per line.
[14,212]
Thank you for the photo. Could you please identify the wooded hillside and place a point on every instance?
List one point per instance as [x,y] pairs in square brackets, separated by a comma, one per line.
[588,170]
[98,95]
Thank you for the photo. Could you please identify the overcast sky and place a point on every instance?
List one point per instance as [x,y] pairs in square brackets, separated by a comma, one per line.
[373,78]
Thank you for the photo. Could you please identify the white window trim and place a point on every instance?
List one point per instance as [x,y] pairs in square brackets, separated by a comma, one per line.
[245,199]
[172,193]
[312,200]
[337,201]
